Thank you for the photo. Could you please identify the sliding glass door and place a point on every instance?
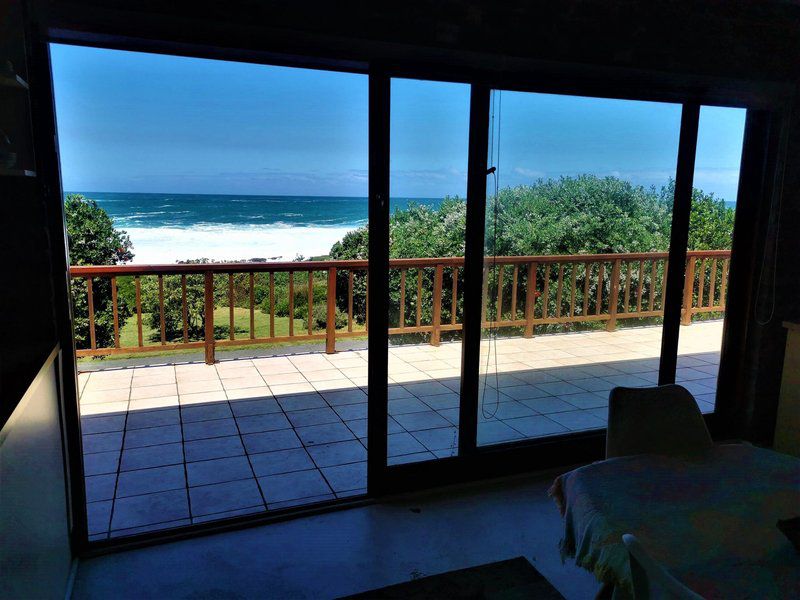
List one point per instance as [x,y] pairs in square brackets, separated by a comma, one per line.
[429,127]
[578,218]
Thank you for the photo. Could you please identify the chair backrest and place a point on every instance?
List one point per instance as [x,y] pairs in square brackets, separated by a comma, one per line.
[651,580]
[655,420]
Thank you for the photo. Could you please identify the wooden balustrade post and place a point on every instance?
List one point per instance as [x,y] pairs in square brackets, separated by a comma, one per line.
[688,292]
[330,322]
[613,300]
[90,301]
[436,334]
[530,299]
[208,336]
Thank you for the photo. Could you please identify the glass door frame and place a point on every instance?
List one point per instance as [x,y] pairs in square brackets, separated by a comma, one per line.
[473,461]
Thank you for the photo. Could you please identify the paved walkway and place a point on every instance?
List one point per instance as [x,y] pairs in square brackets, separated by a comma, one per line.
[176,444]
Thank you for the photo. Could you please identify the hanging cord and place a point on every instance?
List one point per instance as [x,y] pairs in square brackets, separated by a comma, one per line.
[493,329]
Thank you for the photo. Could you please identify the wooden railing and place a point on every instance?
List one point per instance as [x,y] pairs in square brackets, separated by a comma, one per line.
[518,291]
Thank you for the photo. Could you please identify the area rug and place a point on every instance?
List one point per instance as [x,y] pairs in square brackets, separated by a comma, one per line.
[505,580]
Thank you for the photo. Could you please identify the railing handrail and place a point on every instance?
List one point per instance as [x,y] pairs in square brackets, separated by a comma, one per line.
[321,265]
[630,292]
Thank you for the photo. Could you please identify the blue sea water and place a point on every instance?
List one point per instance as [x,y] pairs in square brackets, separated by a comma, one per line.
[168,227]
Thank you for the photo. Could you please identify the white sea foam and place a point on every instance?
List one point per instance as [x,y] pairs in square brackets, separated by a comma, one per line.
[164,245]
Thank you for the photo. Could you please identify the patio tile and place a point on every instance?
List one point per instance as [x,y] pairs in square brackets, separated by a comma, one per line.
[349,412]
[269,441]
[403,443]
[152,527]
[102,442]
[252,393]
[342,397]
[218,470]
[627,380]
[283,378]
[102,424]
[495,432]
[203,385]
[312,416]
[160,507]
[152,380]
[407,405]
[154,403]
[281,461]
[219,497]
[337,453]
[238,383]
[278,364]
[291,389]
[98,516]
[153,391]
[100,487]
[323,434]
[636,366]
[700,386]
[438,439]
[587,400]
[259,423]
[292,486]
[559,388]
[577,420]
[152,436]
[508,410]
[152,418]
[205,412]
[358,427]
[228,513]
[209,429]
[344,478]
[213,448]
[246,408]
[102,385]
[147,481]
[426,388]
[410,458]
[301,402]
[115,395]
[333,385]
[397,392]
[103,409]
[546,406]
[525,392]
[421,420]
[151,456]
[451,414]
[536,426]
[302,501]
[593,384]
[324,375]
[243,372]
[442,401]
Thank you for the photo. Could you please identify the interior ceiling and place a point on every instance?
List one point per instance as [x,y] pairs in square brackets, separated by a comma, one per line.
[728,38]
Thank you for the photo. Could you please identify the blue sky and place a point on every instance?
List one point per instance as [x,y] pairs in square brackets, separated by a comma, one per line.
[134,122]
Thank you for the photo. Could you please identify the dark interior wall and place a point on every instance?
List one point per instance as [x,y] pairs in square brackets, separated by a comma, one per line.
[716,37]
[27,317]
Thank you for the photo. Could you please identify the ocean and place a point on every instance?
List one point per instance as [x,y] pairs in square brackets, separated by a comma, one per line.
[165,228]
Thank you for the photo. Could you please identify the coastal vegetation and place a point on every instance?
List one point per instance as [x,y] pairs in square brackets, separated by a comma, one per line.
[570,215]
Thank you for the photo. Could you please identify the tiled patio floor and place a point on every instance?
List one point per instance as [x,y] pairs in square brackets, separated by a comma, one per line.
[177,444]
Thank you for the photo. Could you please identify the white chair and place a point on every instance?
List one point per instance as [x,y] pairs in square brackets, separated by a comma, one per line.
[650,579]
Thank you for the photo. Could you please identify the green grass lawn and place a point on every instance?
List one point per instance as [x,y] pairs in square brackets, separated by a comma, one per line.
[129,337]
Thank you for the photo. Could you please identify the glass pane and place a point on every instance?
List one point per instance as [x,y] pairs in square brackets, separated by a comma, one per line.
[429,145]
[716,185]
[203,161]
[577,233]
